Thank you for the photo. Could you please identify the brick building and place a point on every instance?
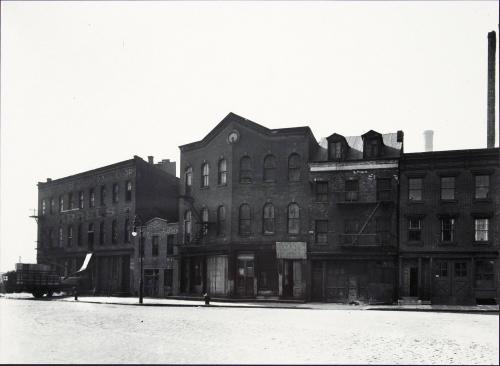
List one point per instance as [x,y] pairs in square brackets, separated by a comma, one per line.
[353,217]
[92,212]
[449,226]
[244,211]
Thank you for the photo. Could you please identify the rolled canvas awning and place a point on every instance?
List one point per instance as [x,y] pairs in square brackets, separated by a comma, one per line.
[85,263]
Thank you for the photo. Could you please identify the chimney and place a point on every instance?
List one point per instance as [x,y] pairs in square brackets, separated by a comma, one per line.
[492,46]
[428,139]
[49,180]
[150,159]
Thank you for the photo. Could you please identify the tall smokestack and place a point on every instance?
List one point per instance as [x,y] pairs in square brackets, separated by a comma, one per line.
[492,47]
[428,139]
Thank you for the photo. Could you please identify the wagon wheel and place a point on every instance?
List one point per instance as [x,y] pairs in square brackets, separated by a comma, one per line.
[50,293]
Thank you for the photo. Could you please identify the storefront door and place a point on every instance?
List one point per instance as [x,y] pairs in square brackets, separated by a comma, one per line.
[245,275]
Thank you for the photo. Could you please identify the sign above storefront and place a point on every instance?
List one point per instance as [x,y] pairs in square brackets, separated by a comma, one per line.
[291,250]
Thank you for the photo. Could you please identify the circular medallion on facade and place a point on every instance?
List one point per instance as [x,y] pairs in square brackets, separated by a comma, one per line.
[233,137]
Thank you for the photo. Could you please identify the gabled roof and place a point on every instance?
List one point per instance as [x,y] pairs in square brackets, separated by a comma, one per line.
[234,118]
[336,137]
[371,133]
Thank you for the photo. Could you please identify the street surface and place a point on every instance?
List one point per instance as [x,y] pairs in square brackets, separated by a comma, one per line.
[70,332]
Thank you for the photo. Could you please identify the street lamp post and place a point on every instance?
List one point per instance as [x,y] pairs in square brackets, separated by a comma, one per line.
[138,224]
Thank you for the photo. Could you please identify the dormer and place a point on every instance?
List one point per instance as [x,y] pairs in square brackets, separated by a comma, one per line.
[337,147]
[373,145]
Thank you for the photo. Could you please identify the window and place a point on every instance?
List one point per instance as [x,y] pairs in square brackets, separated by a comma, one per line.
[128,191]
[70,201]
[351,190]
[293,218]
[270,168]
[482,190]
[103,195]
[460,269]
[447,229]
[268,219]
[155,245]
[415,189]
[60,241]
[91,198]
[245,220]
[321,232]
[51,237]
[442,269]
[52,205]
[221,221]
[484,276]
[188,175]
[335,150]
[245,170]
[170,244]
[222,176]
[447,188]
[187,227]
[321,191]
[351,226]
[116,191]
[69,236]
[79,235]
[372,148]
[61,203]
[204,221]
[80,199]
[102,233]
[114,232]
[414,229]
[168,277]
[294,168]
[126,230]
[43,207]
[481,229]
[384,189]
[90,236]
[205,175]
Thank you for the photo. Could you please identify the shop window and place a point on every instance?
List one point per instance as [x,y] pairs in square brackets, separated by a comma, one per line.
[482,186]
[128,191]
[205,175]
[170,244]
[270,168]
[321,232]
[221,221]
[293,219]
[155,245]
[351,190]
[481,227]
[484,277]
[245,220]
[222,174]
[447,229]
[460,269]
[414,229]
[268,219]
[447,188]
[294,167]
[245,170]
[321,191]
[442,269]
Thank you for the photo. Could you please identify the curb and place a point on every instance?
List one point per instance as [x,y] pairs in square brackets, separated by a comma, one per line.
[470,311]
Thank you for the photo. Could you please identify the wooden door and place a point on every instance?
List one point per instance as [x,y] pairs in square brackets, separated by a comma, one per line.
[317,281]
[245,276]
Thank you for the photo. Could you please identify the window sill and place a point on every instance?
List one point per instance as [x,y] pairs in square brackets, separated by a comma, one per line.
[482,243]
[448,201]
[482,200]
[415,202]
[268,234]
[415,243]
[320,202]
[222,185]
[206,187]
[448,243]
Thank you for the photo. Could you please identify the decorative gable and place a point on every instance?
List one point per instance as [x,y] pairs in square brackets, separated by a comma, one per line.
[337,147]
[373,145]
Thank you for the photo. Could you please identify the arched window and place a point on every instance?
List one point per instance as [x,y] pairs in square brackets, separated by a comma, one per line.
[270,168]
[222,176]
[188,179]
[268,219]
[293,218]
[245,220]
[294,168]
[245,170]
[187,227]
[221,221]
[205,174]
[204,219]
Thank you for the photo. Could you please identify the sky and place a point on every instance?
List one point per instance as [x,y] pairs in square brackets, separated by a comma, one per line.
[87,84]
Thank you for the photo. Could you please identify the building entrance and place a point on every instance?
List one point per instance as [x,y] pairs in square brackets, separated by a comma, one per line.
[245,275]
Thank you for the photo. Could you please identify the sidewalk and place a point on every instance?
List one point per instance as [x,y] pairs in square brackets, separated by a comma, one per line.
[223,303]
